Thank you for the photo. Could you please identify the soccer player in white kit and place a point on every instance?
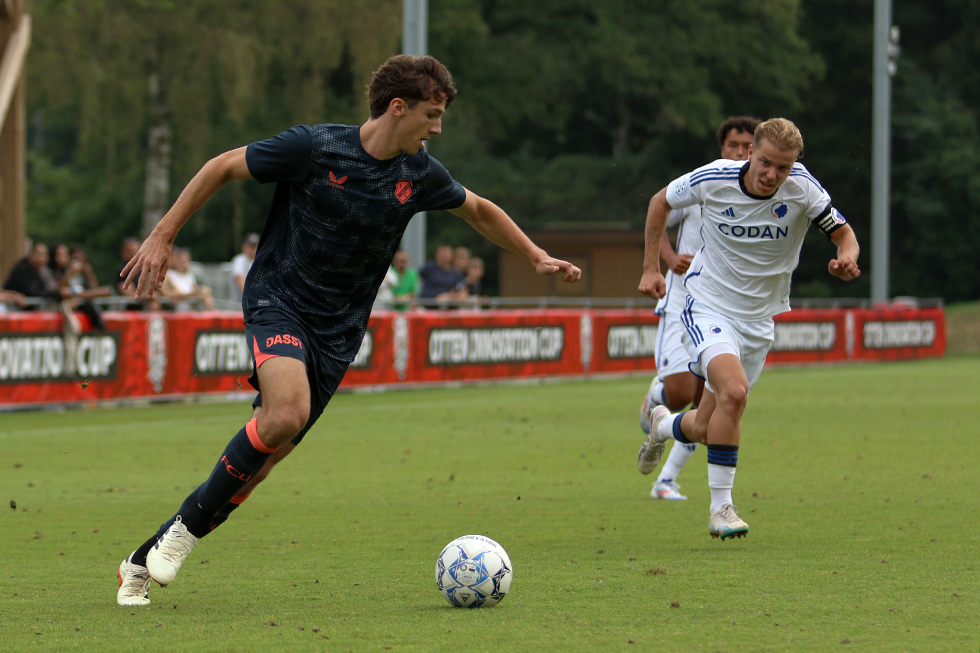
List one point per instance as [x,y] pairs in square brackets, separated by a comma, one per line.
[675,386]
[755,217]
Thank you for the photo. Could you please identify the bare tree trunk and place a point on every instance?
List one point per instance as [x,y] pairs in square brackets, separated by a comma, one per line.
[156,195]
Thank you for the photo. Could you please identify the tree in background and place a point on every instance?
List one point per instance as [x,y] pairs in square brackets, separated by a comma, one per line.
[570,111]
[129,98]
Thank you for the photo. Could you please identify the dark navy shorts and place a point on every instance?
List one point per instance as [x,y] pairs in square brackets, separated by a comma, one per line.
[269,334]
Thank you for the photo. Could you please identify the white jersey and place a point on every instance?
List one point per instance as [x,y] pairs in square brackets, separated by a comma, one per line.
[689,241]
[751,244]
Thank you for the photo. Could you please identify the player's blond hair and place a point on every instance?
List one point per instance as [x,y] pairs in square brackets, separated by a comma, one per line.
[780,132]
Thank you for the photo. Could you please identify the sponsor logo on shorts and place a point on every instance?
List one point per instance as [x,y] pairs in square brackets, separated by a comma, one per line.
[283,339]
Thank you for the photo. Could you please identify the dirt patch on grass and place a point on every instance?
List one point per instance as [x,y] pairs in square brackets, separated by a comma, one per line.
[963,328]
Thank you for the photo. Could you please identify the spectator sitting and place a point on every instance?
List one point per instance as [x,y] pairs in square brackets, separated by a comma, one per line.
[468,290]
[9,299]
[181,286]
[408,281]
[32,277]
[439,276]
[58,261]
[79,278]
[461,259]
[242,263]
[129,248]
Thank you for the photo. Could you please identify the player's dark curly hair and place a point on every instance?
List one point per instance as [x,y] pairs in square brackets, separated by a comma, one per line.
[745,124]
[412,78]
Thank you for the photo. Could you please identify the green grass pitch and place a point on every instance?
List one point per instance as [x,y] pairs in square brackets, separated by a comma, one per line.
[859,484]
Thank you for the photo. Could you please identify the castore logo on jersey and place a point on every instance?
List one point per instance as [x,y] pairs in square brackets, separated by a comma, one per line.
[335,181]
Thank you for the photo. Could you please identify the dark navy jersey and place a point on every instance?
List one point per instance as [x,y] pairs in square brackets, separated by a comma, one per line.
[336,220]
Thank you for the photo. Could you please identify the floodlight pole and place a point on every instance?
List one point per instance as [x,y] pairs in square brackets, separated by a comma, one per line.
[885,53]
[415,21]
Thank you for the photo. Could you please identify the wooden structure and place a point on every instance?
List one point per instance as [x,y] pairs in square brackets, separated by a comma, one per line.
[15,39]
[611,260]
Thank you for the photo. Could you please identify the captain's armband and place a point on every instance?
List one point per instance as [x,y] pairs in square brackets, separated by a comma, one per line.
[829,220]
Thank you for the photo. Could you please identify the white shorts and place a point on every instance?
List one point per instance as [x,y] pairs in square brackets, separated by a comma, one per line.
[750,340]
[674,348]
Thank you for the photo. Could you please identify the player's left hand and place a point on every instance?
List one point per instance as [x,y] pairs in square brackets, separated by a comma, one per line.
[556,265]
[844,268]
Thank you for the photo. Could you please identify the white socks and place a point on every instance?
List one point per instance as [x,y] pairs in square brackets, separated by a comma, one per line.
[721,479]
[680,453]
[665,429]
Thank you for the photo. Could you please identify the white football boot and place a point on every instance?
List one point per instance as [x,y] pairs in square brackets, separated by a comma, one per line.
[667,489]
[653,446]
[167,555]
[134,583]
[726,523]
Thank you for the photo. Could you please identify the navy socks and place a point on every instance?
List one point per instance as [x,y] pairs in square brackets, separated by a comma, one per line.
[241,460]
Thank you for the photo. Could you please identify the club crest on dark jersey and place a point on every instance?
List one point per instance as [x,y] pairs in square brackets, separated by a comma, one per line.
[403,190]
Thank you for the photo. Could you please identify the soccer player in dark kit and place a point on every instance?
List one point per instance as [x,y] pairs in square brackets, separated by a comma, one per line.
[344,195]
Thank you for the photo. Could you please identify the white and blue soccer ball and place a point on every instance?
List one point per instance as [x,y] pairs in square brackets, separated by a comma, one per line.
[473,571]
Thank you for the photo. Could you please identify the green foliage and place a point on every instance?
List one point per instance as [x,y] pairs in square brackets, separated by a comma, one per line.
[934,221]
[853,540]
[231,74]
[568,110]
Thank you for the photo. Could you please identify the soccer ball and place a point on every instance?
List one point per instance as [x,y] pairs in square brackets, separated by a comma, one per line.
[473,571]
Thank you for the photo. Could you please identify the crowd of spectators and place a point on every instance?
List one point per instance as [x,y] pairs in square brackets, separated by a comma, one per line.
[60,275]
[452,279]
[55,275]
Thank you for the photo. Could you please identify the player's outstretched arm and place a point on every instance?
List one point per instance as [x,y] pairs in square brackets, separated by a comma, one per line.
[652,282]
[153,259]
[498,227]
[845,265]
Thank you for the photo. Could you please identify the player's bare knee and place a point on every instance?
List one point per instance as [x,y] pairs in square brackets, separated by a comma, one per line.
[732,398]
[283,423]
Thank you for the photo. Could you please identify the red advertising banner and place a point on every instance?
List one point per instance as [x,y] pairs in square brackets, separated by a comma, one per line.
[472,345]
[623,341]
[164,355]
[809,336]
[895,333]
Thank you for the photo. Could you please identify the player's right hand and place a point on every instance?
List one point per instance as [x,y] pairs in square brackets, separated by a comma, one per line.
[149,266]
[652,284]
